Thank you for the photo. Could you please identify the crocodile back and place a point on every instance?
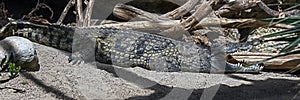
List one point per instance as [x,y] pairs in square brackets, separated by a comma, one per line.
[126,48]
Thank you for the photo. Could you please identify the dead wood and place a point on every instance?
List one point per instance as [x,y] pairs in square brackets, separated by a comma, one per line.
[130,13]
[275,13]
[79,16]
[293,70]
[142,25]
[182,10]
[206,22]
[193,22]
[202,11]
[88,14]
[65,11]
[285,62]
[31,17]
[3,15]
[236,6]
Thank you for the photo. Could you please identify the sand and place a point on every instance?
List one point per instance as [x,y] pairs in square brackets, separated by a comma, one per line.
[59,79]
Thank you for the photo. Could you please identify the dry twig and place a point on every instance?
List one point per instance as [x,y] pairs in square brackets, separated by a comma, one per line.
[64,13]
[37,7]
[275,13]
[130,13]
[182,10]
[79,15]
[202,11]
[88,14]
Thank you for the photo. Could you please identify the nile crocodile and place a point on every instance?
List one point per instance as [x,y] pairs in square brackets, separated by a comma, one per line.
[128,48]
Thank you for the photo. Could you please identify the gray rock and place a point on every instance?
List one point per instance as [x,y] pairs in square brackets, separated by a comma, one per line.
[23,51]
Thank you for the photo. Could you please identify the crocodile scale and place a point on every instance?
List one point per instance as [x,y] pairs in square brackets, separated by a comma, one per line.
[127,48]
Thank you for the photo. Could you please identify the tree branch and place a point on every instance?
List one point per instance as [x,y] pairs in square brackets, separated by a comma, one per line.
[217,22]
[88,14]
[182,10]
[65,11]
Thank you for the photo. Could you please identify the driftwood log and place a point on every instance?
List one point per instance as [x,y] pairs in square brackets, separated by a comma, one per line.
[224,22]
[142,20]
[285,62]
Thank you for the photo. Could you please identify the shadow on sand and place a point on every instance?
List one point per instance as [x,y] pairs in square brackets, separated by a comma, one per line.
[270,89]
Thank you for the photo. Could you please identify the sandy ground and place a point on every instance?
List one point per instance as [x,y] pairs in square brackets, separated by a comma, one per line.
[58,79]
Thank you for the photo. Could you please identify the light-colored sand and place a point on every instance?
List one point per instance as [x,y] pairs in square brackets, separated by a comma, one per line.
[58,79]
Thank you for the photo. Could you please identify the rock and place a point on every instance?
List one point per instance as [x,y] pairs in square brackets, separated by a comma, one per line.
[23,51]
